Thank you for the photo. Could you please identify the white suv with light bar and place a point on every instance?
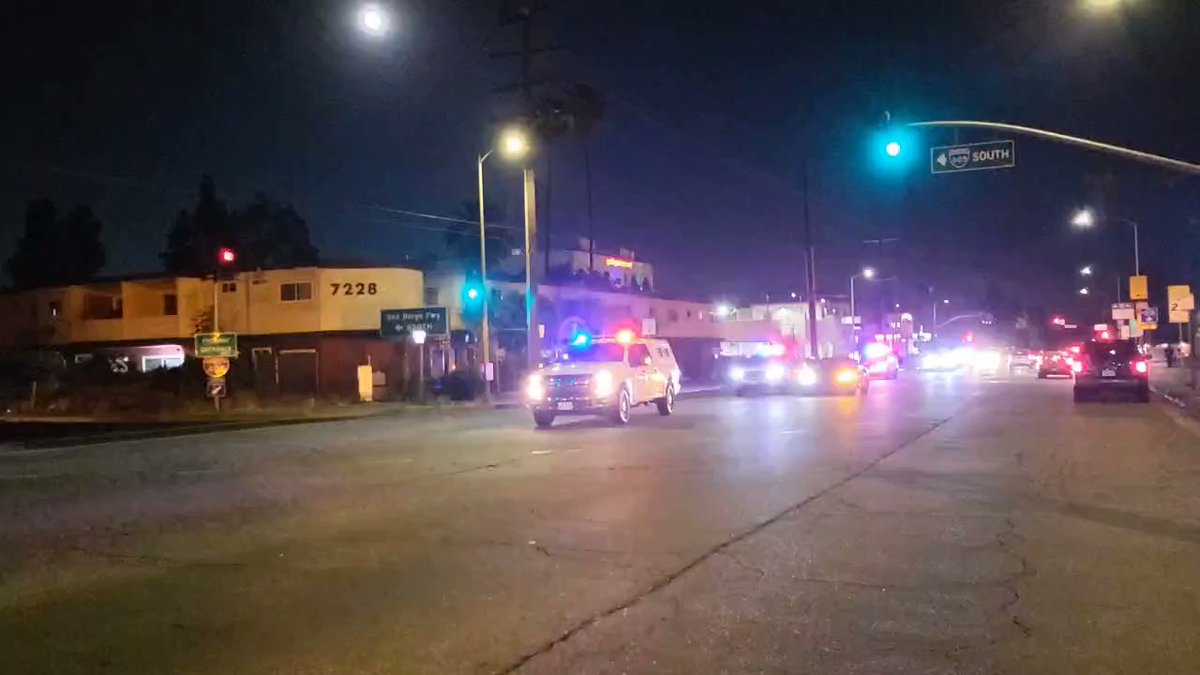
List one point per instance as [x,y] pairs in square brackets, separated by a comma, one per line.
[607,377]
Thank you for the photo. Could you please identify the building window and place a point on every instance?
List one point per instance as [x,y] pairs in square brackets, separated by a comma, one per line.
[229,287]
[55,308]
[170,304]
[431,297]
[297,291]
[672,315]
[150,363]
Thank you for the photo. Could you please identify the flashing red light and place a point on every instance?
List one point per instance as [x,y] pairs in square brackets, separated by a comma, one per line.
[226,256]
[969,337]
[1141,367]
[1075,349]
[625,336]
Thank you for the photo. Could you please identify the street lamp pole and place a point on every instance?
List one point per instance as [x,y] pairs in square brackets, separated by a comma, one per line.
[867,273]
[533,343]
[485,327]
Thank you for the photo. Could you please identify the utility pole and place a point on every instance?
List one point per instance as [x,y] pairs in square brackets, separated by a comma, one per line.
[810,272]
[526,54]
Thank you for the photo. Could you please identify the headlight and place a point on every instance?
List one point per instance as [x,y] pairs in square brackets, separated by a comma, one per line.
[806,376]
[737,373]
[602,383]
[775,373]
[535,389]
[930,361]
[846,376]
[987,359]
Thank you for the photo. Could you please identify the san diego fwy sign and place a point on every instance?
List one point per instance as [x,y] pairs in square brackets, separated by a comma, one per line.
[973,157]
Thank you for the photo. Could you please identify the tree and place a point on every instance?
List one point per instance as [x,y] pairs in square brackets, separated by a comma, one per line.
[56,251]
[264,234]
[193,241]
[271,236]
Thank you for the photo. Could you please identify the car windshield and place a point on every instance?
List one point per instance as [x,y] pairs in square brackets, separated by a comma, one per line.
[598,352]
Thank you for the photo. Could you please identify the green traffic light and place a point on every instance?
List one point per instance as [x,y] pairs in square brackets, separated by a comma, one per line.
[892,149]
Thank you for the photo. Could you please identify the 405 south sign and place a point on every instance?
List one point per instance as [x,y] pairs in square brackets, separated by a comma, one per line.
[972,157]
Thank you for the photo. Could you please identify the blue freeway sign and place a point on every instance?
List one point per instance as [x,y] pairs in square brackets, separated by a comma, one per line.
[972,157]
[400,323]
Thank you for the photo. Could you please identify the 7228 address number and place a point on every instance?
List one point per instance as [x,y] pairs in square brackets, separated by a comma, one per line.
[353,289]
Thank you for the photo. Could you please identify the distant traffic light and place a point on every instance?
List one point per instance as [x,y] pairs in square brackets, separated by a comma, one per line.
[892,148]
[472,299]
[226,256]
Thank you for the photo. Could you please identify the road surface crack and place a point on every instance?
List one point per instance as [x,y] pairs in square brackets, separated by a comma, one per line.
[721,547]
[1012,582]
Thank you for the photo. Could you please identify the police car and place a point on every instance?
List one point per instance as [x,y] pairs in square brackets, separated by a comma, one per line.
[607,377]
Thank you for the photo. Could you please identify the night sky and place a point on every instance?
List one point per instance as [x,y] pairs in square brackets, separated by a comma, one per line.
[711,108]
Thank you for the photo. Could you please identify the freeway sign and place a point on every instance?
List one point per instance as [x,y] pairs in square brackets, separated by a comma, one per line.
[211,345]
[1148,318]
[972,157]
[1122,311]
[400,323]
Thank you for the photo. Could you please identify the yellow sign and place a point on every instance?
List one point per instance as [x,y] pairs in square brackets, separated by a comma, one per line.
[1139,288]
[216,366]
[1180,298]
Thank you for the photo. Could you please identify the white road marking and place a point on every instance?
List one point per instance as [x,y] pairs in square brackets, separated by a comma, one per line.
[540,452]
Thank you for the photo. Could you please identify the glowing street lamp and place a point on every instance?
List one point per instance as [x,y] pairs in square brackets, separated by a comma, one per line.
[513,144]
[1086,270]
[1084,291]
[374,21]
[866,273]
[1085,219]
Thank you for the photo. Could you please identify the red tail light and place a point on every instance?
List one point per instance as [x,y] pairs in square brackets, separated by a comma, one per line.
[1141,367]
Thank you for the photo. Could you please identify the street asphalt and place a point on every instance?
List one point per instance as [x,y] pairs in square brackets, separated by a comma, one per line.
[942,524]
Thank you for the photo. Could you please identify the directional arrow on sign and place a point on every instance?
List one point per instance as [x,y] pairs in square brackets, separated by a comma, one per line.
[941,159]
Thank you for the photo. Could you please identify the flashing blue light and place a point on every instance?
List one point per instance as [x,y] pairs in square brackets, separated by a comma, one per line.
[581,340]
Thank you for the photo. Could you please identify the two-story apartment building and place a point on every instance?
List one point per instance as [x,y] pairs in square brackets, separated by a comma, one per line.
[302,330]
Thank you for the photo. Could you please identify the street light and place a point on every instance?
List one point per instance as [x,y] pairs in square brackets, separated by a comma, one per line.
[1086,270]
[1085,219]
[945,301]
[866,273]
[1084,291]
[513,145]
[374,21]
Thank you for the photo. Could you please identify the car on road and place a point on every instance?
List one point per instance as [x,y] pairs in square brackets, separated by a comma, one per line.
[606,377]
[843,376]
[1054,364]
[765,374]
[880,361]
[1022,359]
[1112,367]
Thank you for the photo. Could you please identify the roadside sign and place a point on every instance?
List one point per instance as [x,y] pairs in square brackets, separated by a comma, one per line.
[215,387]
[216,366]
[1180,302]
[210,345]
[1148,318]
[400,323]
[1139,288]
[972,157]
[1122,311]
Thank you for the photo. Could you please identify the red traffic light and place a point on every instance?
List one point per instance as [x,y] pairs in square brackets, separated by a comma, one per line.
[226,256]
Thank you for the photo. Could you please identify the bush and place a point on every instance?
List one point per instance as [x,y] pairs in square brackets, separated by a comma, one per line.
[460,385]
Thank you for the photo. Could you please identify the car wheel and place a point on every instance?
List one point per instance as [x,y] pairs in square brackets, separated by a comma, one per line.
[543,418]
[620,414]
[666,404]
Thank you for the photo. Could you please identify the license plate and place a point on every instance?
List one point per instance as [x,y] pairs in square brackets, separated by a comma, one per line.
[1108,373]
[566,405]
